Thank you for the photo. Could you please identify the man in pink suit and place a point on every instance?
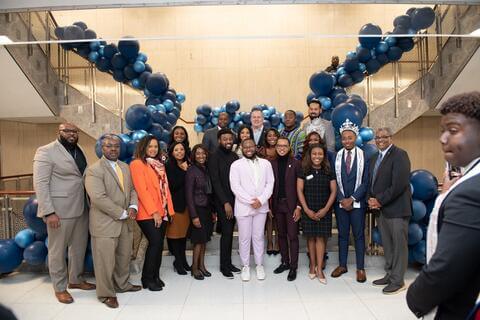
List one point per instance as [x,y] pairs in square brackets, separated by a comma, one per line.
[251,180]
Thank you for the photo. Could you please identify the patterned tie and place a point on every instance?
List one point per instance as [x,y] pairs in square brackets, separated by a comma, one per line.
[119,172]
[348,161]
[377,164]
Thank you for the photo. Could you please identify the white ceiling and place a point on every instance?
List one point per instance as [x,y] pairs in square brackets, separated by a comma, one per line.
[18,98]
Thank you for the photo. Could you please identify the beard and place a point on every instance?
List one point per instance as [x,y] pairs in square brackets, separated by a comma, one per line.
[67,143]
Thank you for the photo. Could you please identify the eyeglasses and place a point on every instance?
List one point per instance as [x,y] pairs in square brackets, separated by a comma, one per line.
[70,131]
[382,137]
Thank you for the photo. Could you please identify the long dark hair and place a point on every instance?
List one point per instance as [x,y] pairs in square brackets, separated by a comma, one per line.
[194,151]
[186,142]
[171,158]
[267,145]
[141,148]
[306,146]
[307,159]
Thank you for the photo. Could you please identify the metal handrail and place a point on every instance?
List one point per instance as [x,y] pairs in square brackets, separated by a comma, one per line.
[17,176]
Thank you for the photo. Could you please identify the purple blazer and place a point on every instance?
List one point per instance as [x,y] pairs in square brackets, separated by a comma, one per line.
[292,172]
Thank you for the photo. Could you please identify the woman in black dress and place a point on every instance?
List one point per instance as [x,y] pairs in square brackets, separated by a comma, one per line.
[316,190]
[197,192]
[176,167]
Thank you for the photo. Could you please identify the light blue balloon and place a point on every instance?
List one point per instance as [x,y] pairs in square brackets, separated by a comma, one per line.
[351,54]
[266,114]
[281,126]
[24,238]
[237,117]
[362,67]
[214,120]
[197,127]
[359,141]
[216,111]
[139,134]
[341,71]
[93,56]
[223,108]
[367,134]
[136,83]
[272,110]
[181,97]
[142,57]
[151,108]
[231,125]
[160,107]
[139,66]
[168,104]
[326,103]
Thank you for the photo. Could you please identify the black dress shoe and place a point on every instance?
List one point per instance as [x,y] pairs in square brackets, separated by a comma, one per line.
[227,273]
[292,275]
[269,252]
[178,267]
[151,285]
[186,266]
[281,268]
[197,275]
[275,252]
[159,282]
[205,273]
[393,288]
[234,269]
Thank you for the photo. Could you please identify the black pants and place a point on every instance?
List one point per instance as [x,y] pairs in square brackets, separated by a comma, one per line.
[226,238]
[153,255]
[178,247]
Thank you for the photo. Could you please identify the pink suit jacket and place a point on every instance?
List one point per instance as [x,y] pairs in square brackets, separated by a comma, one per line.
[243,186]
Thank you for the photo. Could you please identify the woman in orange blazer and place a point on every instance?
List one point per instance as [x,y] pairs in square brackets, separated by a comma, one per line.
[155,206]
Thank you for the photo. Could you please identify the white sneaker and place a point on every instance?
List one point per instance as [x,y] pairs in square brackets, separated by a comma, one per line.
[260,272]
[246,273]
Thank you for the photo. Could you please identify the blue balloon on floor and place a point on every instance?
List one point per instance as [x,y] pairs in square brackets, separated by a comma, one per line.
[415,233]
[138,117]
[419,210]
[376,236]
[24,238]
[425,185]
[30,215]
[420,252]
[321,83]
[11,255]
[35,253]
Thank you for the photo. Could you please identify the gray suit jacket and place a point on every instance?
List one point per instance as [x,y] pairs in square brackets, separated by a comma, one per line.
[58,183]
[210,140]
[107,199]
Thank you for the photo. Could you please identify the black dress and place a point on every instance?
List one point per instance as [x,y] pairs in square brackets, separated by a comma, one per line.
[317,191]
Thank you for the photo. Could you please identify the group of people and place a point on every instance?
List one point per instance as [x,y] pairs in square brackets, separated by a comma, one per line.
[256,177]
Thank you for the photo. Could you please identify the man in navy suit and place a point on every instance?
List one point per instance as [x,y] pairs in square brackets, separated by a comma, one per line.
[449,284]
[351,169]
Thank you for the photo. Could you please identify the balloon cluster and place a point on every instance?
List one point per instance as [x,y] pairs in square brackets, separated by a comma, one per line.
[424,188]
[31,244]
[207,117]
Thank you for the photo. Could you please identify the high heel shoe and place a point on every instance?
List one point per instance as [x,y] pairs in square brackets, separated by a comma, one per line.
[151,285]
[322,280]
[159,282]
[275,252]
[197,275]
[313,275]
[186,266]
[178,268]
[269,252]
[205,273]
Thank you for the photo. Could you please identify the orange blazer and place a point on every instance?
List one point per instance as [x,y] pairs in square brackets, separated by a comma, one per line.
[146,184]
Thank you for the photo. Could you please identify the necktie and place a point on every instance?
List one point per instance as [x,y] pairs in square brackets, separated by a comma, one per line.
[348,161]
[119,172]
[377,164]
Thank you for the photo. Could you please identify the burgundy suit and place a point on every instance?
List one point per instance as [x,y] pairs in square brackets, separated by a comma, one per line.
[283,209]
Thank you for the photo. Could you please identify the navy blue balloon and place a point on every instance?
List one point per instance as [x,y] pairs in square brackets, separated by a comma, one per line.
[139,66]
[345,80]
[363,54]
[205,110]
[159,117]
[171,118]
[357,76]
[118,61]
[381,47]
[136,83]
[80,24]
[340,98]
[346,111]
[90,34]
[11,255]
[422,18]
[131,147]
[382,59]
[419,210]
[350,65]
[148,68]
[373,66]
[138,117]
[170,95]
[369,29]
[157,84]
[326,114]
[153,101]
[118,75]
[30,215]
[93,56]
[201,119]
[129,48]
[88,263]
[415,234]
[321,83]
[246,118]
[103,64]
[156,130]
[73,32]
[394,53]
[232,106]
[360,104]
[35,253]
[369,150]
[109,50]
[336,91]
[144,77]
[275,120]
[403,20]
[129,72]
[59,32]
[425,185]
[209,125]
[419,252]
[299,117]
[267,124]
[197,127]
[406,44]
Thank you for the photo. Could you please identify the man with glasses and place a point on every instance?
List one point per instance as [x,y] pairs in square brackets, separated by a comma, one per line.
[58,169]
[285,206]
[390,196]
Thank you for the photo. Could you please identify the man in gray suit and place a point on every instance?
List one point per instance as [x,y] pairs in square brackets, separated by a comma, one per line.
[113,201]
[58,181]
[210,139]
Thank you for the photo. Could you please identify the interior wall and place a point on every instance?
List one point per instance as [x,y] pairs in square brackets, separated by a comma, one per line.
[19,141]
[211,53]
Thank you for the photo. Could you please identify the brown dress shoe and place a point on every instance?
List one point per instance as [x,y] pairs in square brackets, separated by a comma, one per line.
[111,302]
[82,286]
[64,297]
[339,271]
[361,276]
[132,288]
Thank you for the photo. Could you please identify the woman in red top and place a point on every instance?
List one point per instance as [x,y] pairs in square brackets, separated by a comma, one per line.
[155,206]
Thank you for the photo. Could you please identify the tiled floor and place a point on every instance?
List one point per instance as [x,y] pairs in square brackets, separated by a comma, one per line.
[31,297]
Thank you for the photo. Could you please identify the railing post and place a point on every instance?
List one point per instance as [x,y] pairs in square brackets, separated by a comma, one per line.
[122,106]
[93,91]
[438,30]
[395,86]
[29,34]
[65,76]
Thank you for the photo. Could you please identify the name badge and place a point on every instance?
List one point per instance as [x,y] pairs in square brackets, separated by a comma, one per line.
[310,177]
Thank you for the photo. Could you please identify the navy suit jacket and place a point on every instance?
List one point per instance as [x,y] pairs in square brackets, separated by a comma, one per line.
[348,182]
